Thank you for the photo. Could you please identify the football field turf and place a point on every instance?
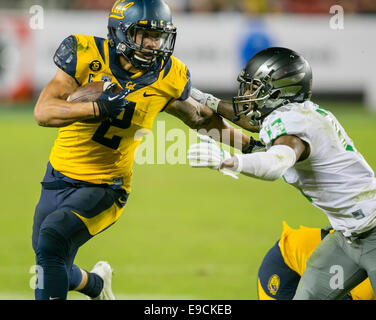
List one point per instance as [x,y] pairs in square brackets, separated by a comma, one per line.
[185,233]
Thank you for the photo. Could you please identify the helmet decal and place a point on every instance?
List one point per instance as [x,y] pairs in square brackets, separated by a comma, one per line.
[118,9]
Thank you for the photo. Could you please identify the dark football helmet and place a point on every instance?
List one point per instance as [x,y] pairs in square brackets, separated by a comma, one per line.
[140,19]
[272,78]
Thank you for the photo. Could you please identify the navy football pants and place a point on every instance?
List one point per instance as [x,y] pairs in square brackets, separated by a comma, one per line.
[58,232]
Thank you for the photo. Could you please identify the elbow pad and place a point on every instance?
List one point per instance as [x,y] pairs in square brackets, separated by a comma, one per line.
[269,165]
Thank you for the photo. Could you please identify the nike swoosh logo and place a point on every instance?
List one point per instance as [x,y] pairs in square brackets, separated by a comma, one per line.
[112,98]
[148,95]
[54,298]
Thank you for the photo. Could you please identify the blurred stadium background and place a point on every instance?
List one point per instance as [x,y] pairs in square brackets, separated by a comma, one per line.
[185,234]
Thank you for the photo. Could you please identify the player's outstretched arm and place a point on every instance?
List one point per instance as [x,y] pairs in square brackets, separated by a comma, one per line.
[198,116]
[223,108]
[267,165]
[52,109]
[272,164]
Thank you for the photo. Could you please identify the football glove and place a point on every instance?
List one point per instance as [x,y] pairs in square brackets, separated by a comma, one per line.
[254,146]
[207,154]
[205,98]
[111,104]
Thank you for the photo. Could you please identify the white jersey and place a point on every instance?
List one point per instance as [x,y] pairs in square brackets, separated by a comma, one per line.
[335,177]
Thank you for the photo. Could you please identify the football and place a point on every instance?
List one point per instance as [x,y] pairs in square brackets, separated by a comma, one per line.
[91,91]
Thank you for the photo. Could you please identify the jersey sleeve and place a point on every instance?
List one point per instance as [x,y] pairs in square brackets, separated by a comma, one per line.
[188,86]
[284,122]
[65,56]
[177,79]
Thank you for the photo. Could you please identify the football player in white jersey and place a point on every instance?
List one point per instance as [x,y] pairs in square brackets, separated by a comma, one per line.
[307,147]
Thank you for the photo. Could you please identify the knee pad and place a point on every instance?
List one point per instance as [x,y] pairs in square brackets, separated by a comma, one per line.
[61,233]
[52,279]
[51,246]
[55,251]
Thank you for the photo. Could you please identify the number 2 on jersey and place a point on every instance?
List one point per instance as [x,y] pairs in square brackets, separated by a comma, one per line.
[124,123]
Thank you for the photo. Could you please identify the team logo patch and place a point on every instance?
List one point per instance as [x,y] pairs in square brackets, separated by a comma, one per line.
[95,65]
[130,85]
[273,284]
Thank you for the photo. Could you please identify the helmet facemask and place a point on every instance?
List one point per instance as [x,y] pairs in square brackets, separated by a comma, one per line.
[132,44]
[256,99]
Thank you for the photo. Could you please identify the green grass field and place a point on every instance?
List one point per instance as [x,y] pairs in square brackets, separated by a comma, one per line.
[185,233]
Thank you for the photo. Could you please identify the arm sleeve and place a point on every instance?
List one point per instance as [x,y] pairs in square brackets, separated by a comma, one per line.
[65,56]
[269,165]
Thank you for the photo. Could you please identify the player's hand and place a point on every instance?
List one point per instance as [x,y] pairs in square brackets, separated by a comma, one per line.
[206,99]
[254,146]
[110,104]
[207,154]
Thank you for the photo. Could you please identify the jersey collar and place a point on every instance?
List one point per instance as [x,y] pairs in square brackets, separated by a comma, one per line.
[124,76]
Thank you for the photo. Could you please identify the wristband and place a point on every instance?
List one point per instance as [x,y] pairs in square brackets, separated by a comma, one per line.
[212,102]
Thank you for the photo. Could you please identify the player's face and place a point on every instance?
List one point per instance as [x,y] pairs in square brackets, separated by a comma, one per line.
[149,40]
[249,91]
[245,105]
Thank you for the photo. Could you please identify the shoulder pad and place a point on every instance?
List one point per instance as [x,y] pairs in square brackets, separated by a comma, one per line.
[287,120]
[66,55]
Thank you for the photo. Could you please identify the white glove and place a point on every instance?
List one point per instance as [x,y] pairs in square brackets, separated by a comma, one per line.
[208,154]
[206,99]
